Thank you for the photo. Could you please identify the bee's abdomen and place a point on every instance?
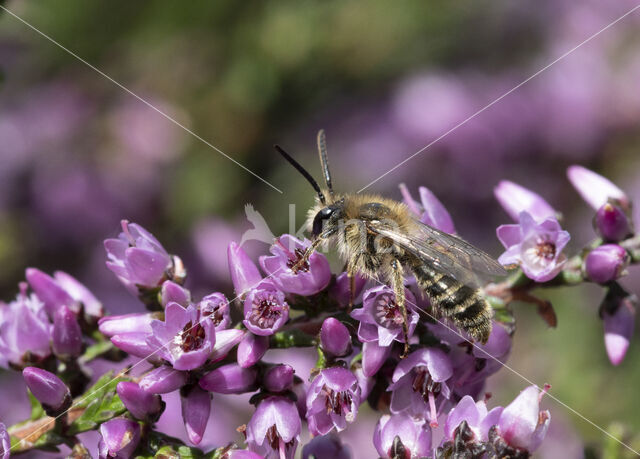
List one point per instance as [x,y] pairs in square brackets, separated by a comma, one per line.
[465,306]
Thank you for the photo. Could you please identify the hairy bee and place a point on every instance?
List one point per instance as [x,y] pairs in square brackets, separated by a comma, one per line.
[379,237]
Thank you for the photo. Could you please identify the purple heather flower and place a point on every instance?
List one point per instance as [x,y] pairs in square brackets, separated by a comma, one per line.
[216,307]
[81,294]
[49,291]
[332,400]
[244,272]
[536,247]
[196,406]
[172,292]
[326,446]
[265,309]
[163,380]
[478,421]
[141,404]
[24,330]
[230,379]
[618,329]
[418,380]
[521,424]
[5,442]
[185,341]
[612,223]
[66,335]
[595,189]
[341,289]
[48,389]
[308,279]
[120,438]
[137,258]
[431,211]
[127,323]
[138,345]
[381,324]
[278,378]
[225,341]
[274,428]
[606,263]
[401,436]
[251,349]
[335,337]
[515,199]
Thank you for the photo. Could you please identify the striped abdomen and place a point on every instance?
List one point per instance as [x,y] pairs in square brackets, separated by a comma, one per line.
[465,306]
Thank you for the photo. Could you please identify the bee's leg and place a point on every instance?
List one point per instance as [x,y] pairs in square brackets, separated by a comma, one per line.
[397,279]
[352,286]
[312,248]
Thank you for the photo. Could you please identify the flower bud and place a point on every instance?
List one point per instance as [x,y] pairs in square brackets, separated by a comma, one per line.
[163,380]
[137,345]
[49,291]
[172,292]
[251,349]
[515,199]
[335,337]
[618,329]
[244,272]
[595,189]
[91,306]
[278,378]
[606,263]
[341,289]
[127,323]
[48,389]
[612,223]
[66,335]
[326,446]
[196,406]
[120,438]
[140,403]
[230,379]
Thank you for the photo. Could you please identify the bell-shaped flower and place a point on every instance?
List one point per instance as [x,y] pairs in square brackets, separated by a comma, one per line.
[430,211]
[265,309]
[120,438]
[536,247]
[215,306]
[288,274]
[401,435]
[274,428]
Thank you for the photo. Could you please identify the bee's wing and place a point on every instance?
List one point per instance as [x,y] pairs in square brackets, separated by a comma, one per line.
[445,253]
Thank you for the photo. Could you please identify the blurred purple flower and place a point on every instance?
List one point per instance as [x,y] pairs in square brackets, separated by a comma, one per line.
[163,380]
[265,309]
[418,380]
[309,279]
[274,428]
[120,438]
[49,291]
[244,272]
[137,258]
[401,436]
[595,189]
[278,378]
[185,341]
[5,442]
[335,337]
[24,331]
[612,223]
[172,292]
[606,263]
[332,400]
[196,406]
[536,247]
[515,199]
[521,424]
[141,404]
[251,349]
[66,334]
[127,323]
[230,379]
[241,454]
[341,289]
[81,294]
[431,211]
[618,329]
[328,446]
[50,390]
[381,324]
[216,307]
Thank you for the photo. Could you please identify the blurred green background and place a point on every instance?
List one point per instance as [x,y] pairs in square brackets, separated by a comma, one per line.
[78,153]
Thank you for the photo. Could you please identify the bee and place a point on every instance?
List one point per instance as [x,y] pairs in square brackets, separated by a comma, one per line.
[380,238]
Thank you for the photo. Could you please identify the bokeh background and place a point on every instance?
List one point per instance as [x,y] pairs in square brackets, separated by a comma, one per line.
[384,79]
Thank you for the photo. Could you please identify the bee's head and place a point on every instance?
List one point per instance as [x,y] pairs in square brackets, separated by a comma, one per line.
[326,217]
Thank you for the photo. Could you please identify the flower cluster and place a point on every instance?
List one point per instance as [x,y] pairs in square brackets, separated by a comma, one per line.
[432,401]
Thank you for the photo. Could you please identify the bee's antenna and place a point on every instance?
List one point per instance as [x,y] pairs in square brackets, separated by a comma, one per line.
[303,171]
[324,161]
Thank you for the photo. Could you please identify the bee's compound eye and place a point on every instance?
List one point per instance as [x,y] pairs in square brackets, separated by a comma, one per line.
[320,217]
